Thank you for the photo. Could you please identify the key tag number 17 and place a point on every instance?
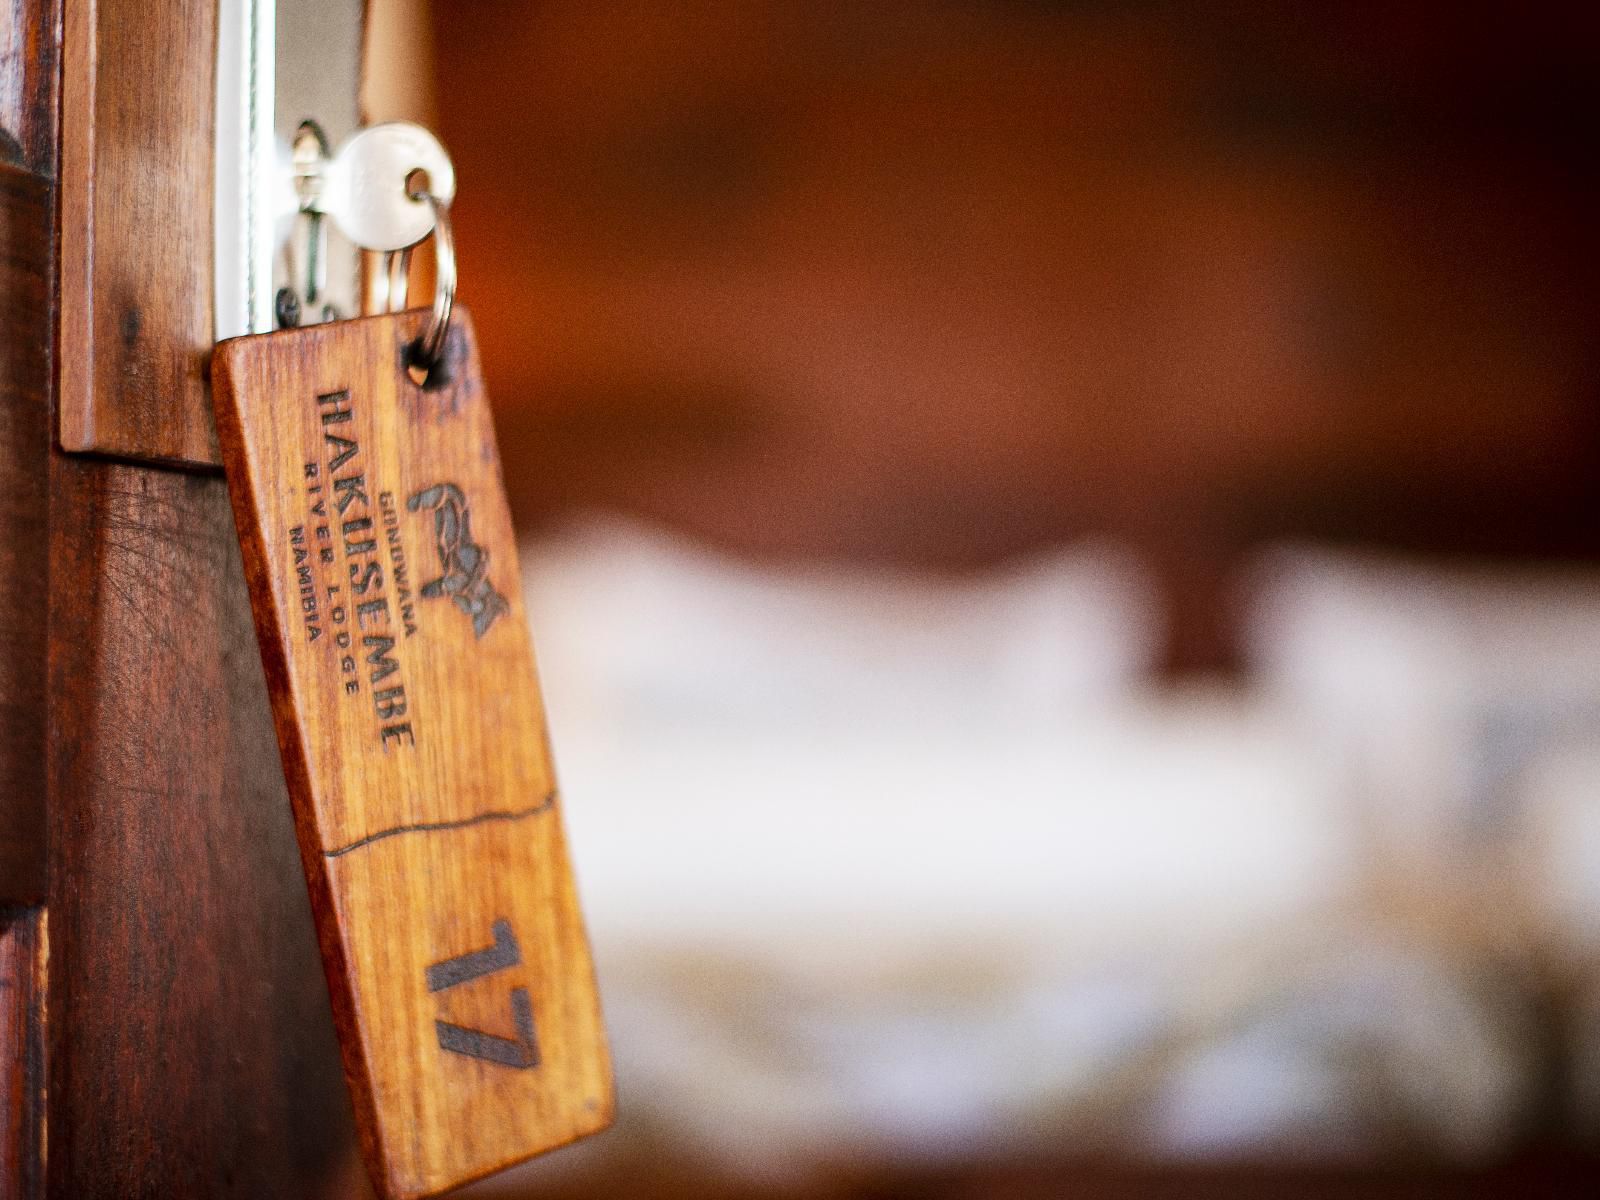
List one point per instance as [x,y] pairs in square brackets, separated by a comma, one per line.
[383,577]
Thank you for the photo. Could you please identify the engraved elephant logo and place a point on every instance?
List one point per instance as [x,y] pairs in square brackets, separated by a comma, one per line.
[465,563]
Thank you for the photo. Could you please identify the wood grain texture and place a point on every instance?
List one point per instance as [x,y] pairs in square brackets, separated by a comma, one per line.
[191,1047]
[24,955]
[25,220]
[137,102]
[30,44]
[382,565]
[28,48]
[192,1051]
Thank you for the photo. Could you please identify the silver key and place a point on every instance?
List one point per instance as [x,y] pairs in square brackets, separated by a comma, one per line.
[368,190]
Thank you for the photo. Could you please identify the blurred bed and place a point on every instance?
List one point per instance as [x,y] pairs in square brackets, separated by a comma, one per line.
[1066,566]
[889,875]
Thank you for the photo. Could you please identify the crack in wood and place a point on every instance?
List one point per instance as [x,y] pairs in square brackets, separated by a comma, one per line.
[517,814]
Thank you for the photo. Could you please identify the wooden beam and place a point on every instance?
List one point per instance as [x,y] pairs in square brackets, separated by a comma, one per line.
[137,103]
[25,219]
[24,955]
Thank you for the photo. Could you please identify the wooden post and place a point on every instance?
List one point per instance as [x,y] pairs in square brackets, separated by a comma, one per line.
[182,1043]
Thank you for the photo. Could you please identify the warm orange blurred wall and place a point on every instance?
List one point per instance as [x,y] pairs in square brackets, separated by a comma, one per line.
[938,282]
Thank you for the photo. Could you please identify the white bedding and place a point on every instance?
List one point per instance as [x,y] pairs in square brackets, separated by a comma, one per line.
[886,866]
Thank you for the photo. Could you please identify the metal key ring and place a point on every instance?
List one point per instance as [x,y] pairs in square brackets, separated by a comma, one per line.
[430,346]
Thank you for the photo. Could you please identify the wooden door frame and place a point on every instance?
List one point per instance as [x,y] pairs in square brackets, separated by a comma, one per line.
[158,965]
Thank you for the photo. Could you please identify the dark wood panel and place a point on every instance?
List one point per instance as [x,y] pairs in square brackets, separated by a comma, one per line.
[190,1043]
[192,1049]
[23,955]
[29,41]
[25,219]
[138,93]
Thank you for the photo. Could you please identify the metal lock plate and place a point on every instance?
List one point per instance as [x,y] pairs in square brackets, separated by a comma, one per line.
[280,64]
[292,215]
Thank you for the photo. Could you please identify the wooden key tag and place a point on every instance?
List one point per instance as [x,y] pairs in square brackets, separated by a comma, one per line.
[383,575]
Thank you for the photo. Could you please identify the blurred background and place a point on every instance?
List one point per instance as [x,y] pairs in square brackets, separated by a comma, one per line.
[1064,542]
